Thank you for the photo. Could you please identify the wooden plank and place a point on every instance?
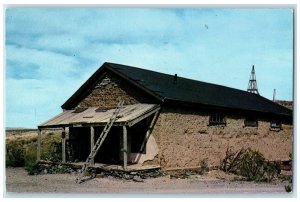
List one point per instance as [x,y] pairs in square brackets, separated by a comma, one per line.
[92,142]
[124,147]
[63,142]
[38,156]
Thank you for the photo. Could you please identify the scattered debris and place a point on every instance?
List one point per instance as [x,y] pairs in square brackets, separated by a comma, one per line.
[137,179]
[137,176]
[182,174]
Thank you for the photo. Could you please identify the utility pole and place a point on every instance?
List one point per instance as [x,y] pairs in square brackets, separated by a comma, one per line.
[252,86]
[274,94]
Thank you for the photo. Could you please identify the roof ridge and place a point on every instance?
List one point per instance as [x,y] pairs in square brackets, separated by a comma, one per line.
[162,86]
[189,79]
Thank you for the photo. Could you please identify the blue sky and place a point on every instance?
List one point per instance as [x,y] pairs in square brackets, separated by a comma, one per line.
[50,52]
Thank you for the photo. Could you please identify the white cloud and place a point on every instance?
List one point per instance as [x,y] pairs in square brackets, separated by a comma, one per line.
[52,65]
[57,78]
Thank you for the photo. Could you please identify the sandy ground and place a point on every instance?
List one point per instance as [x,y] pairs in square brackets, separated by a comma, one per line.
[17,181]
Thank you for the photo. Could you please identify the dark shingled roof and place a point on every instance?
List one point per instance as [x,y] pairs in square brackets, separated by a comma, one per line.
[190,91]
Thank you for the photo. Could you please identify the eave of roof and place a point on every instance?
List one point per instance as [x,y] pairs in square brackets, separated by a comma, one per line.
[128,115]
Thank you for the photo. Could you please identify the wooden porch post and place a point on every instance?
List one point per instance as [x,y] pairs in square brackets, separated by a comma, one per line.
[38,155]
[92,142]
[124,147]
[63,142]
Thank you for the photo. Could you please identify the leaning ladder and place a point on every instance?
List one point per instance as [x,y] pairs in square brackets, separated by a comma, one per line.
[99,142]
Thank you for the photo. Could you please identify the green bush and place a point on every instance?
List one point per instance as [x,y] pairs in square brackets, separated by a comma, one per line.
[22,152]
[15,154]
[32,168]
[31,165]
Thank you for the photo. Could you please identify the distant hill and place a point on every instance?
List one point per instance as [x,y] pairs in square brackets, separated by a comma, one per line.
[16,128]
[19,129]
[285,103]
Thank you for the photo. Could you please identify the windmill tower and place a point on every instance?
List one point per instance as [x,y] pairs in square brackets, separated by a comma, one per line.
[252,86]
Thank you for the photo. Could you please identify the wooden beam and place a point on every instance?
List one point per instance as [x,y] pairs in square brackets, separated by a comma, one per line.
[38,155]
[63,142]
[92,142]
[124,147]
[149,131]
[131,123]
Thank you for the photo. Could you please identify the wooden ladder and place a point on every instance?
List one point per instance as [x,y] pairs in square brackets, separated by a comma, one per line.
[99,142]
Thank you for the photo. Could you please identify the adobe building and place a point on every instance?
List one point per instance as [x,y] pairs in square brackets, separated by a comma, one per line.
[167,121]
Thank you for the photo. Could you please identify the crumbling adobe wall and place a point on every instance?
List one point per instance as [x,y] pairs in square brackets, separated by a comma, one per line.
[184,139]
[110,90]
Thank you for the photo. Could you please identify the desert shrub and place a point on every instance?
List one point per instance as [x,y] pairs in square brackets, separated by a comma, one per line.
[232,160]
[271,170]
[288,188]
[50,134]
[31,165]
[30,156]
[15,154]
[203,167]
[52,151]
[250,164]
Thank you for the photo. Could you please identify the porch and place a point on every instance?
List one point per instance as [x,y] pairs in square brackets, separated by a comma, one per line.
[124,145]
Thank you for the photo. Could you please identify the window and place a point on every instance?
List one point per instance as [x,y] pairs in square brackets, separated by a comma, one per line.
[251,121]
[217,118]
[276,124]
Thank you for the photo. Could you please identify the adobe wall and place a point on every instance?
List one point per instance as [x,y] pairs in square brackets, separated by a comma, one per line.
[151,152]
[109,91]
[184,139]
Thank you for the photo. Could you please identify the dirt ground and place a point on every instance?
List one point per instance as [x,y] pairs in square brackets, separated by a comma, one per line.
[18,181]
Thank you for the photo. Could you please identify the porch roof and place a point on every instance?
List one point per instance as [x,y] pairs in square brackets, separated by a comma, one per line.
[128,115]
